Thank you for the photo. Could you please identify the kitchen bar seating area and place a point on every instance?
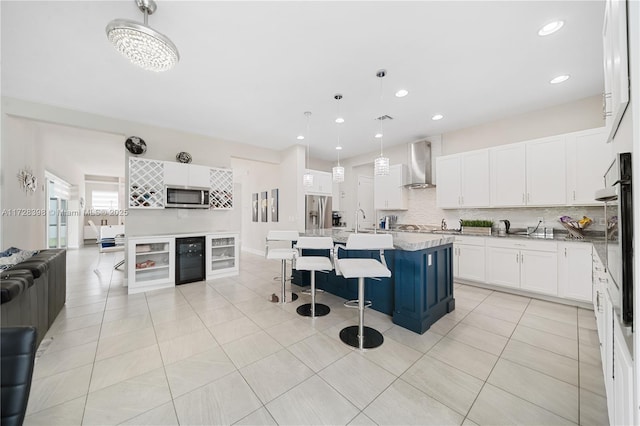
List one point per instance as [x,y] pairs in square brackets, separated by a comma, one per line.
[171,356]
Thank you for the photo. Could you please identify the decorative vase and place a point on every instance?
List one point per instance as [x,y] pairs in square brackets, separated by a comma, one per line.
[183,157]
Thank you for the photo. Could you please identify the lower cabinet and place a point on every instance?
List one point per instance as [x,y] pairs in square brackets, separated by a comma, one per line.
[623,400]
[222,255]
[151,263]
[469,258]
[528,265]
[575,271]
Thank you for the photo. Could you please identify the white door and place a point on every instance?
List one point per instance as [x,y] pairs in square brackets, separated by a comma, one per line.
[448,178]
[471,262]
[539,271]
[475,179]
[546,172]
[588,156]
[365,201]
[508,177]
[575,271]
[503,266]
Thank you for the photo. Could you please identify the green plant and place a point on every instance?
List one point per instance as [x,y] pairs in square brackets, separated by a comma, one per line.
[476,223]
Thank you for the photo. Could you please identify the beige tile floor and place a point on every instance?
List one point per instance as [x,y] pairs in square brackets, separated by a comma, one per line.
[218,352]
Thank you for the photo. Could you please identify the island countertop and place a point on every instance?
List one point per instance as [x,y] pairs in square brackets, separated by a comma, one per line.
[401,240]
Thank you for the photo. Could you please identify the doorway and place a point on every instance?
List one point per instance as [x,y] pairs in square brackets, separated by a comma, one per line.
[365,201]
[57,228]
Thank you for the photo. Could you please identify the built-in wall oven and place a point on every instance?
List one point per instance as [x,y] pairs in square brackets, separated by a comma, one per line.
[190,259]
[618,206]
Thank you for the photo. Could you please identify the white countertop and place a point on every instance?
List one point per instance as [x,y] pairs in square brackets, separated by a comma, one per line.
[190,234]
[401,240]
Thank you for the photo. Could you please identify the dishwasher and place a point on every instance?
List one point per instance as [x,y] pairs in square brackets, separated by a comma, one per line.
[190,253]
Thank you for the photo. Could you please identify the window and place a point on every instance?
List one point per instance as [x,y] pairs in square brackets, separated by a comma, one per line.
[104,200]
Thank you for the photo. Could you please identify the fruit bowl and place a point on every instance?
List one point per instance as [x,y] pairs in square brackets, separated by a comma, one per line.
[575,227]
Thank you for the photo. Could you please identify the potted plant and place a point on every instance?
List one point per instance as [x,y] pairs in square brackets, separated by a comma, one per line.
[476,227]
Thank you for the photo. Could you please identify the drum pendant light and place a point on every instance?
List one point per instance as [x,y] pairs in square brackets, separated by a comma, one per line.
[307,178]
[141,44]
[381,164]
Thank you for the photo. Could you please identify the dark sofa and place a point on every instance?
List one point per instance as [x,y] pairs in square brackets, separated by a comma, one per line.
[33,292]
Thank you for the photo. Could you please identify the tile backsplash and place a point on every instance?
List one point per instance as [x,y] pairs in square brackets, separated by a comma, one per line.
[423,211]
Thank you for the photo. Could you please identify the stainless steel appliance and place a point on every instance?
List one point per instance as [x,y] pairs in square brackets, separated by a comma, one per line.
[618,197]
[190,259]
[420,165]
[336,218]
[186,197]
[318,213]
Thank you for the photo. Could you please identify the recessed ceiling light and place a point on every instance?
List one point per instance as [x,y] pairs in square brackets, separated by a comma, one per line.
[437,117]
[339,120]
[550,28]
[378,135]
[300,137]
[559,79]
[402,93]
[338,148]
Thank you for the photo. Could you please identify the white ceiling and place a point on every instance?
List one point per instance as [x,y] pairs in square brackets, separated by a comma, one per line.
[249,70]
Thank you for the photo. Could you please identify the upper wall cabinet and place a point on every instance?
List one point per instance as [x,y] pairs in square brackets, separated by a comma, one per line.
[389,192]
[588,156]
[322,183]
[616,73]
[546,172]
[508,175]
[529,174]
[146,183]
[463,180]
[180,174]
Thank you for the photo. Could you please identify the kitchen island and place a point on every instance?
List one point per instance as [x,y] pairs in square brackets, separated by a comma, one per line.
[420,289]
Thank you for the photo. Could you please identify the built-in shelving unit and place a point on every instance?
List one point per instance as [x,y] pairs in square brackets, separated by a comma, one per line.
[222,255]
[221,183]
[151,263]
[146,183]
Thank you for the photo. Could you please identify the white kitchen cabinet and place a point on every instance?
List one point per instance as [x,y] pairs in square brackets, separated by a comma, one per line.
[528,265]
[151,263]
[588,156]
[463,180]
[389,192]
[181,174]
[222,258]
[616,72]
[322,183]
[575,278]
[546,172]
[508,178]
[624,402]
[607,359]
[146,183]
[221,184]
[600,282]
[469,258]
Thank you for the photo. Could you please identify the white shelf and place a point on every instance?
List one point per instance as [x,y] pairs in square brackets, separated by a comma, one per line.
[150,268]
[223,258]
[227,246]
[146,253]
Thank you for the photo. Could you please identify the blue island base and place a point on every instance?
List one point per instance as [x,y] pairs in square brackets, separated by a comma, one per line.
[419,292]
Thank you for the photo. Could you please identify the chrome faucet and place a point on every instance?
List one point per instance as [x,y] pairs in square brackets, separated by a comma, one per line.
[443,225]
[363,217]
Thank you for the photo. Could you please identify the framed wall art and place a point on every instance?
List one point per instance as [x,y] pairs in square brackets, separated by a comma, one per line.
[274,205]
[264,206]
[254,207]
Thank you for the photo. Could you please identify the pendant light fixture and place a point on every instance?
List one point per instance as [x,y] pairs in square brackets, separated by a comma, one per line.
[307,178]
[338,171]
[381,164]
[141,44]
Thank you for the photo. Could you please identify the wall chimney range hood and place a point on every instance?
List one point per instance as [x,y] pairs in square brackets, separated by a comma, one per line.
[420,165]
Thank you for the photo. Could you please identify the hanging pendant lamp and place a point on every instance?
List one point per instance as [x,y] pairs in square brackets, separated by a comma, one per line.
[307,178]
[338,171]
[381,164]
[141,44]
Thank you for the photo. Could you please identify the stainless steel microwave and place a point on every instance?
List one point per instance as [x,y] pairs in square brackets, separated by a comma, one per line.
[181,197]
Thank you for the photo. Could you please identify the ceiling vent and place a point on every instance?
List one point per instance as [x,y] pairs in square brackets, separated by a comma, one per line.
[384,117]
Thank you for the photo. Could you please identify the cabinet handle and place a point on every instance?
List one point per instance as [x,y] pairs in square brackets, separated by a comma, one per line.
[574,195]
[521,257]
[517,258]
[523,198]
[462,200]
[528,197]
[598,301]
[565,252]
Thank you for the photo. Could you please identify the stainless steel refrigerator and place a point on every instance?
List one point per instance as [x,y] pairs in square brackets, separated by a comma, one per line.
[318,212]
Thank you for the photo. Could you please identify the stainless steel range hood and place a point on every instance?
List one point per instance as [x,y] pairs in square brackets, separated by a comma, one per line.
[420,165]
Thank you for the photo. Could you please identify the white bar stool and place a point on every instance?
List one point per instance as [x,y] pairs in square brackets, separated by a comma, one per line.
[283,254]
[313,264]
[360,336]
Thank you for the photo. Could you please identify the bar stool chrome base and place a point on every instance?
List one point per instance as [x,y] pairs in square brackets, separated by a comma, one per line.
[278,298]
[372,337]
[305,310]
